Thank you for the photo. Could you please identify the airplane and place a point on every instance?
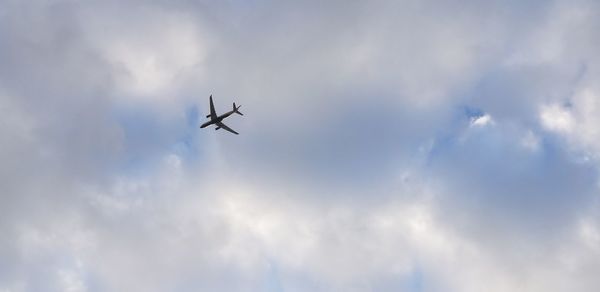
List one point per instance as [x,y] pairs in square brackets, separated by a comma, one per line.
[217,120]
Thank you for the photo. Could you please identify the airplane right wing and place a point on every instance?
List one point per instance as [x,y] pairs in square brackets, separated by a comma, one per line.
[213,114]
[221,125]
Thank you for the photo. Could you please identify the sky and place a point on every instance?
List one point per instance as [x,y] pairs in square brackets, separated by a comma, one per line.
[448,145]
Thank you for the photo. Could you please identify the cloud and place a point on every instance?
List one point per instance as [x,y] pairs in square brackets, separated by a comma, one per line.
[384,145]
[149,64]
[576,121]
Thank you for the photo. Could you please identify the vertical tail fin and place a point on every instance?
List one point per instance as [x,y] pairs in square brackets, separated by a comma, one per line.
[236,109]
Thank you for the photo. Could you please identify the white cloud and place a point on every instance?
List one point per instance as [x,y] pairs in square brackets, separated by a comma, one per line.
[340,98]
[557,118]
[531,141]
[590,235]
[71,281]
[577,123]
[152,51]
[482,121]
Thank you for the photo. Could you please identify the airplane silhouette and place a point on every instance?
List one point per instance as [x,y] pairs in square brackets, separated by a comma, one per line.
[217,120]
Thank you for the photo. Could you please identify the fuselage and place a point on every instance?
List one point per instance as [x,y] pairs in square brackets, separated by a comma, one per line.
[217,120]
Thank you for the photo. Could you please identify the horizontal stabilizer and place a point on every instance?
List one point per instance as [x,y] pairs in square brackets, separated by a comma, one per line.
[236,109]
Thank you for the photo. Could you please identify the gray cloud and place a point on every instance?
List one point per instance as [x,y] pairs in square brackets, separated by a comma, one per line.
[384,145]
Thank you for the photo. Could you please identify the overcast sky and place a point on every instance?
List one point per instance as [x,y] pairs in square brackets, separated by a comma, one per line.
[386,146]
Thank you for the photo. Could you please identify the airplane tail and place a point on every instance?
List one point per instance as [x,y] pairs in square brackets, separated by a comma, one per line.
[236,109]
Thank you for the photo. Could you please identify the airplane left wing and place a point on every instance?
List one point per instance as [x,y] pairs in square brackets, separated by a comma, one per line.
[221,125]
